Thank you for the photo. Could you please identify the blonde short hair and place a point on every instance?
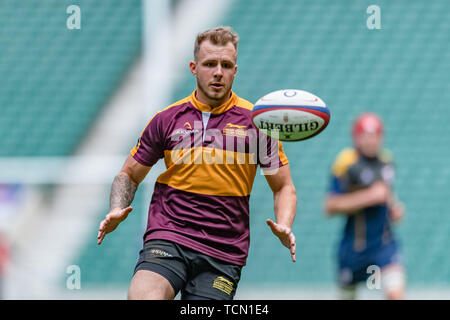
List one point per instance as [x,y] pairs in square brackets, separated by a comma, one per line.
[218,36]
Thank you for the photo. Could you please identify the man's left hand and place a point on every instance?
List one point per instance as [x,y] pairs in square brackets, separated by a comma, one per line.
[284,233]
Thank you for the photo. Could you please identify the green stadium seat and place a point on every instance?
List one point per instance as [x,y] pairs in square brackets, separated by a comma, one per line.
[44,65]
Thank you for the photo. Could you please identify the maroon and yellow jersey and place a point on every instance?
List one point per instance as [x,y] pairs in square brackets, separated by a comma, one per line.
[201,201]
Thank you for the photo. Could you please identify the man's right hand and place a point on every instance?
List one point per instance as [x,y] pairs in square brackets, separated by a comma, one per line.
[112,220]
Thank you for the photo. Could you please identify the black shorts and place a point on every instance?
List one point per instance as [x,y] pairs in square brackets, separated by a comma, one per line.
[195,274]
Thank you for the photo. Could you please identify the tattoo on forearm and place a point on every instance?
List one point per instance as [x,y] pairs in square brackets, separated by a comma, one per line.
[122,191]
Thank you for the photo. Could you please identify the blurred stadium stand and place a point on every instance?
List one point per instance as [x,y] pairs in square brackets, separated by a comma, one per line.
[54,84]
[55,81]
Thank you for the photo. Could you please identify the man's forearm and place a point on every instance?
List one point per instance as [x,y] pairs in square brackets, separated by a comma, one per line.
[349,203]
[122,191]
[285,203]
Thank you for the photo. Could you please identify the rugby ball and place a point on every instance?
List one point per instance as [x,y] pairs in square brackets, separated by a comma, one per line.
[290,115]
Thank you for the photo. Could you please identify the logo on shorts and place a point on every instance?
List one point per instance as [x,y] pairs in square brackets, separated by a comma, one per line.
[160,252]
[223,285]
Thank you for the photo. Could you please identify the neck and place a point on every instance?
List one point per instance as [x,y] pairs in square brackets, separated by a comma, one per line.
[365,156]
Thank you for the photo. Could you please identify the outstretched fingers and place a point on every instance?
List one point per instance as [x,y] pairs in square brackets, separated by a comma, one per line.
[101,231]
[111,221]
[293,246]
[285,235]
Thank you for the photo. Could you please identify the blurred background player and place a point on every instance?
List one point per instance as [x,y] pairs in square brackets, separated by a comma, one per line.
[197,236]
[361,190]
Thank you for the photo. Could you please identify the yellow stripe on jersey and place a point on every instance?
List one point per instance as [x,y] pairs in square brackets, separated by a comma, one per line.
[344,160]
[193,170]
[281,154]
[360,231]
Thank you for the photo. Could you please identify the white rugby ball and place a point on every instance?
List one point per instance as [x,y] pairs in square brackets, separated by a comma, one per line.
[290,115]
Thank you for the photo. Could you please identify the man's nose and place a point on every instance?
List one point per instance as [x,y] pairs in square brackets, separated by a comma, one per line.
[218,72]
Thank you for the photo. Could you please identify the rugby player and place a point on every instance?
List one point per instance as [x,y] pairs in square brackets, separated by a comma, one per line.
[361,190]
[197,235]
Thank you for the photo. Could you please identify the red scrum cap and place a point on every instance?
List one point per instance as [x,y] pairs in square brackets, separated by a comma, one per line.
[367,123]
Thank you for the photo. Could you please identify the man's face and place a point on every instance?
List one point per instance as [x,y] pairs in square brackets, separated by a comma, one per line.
[369,144]
[215,70]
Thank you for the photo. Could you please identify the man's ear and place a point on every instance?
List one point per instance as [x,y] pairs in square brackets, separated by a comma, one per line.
[193,67]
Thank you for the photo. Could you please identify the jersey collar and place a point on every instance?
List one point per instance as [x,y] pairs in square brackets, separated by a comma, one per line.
[206,108]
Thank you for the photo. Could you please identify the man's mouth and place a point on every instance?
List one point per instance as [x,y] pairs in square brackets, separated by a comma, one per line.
[216,85]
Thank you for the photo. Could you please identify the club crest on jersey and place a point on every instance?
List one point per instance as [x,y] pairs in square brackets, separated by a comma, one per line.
[235,130]
[367,176]
[387,172]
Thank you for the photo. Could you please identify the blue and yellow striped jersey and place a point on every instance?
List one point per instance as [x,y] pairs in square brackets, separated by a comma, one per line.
[370,228]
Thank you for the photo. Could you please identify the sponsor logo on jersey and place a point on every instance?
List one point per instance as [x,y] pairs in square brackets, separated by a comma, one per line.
[181,132]
[235,130]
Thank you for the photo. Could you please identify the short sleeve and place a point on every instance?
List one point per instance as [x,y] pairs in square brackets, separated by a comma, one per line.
[339,181]
[336,186]
[149,147]
[273,156]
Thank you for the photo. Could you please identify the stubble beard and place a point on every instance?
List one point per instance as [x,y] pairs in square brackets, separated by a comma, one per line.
[216,98]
